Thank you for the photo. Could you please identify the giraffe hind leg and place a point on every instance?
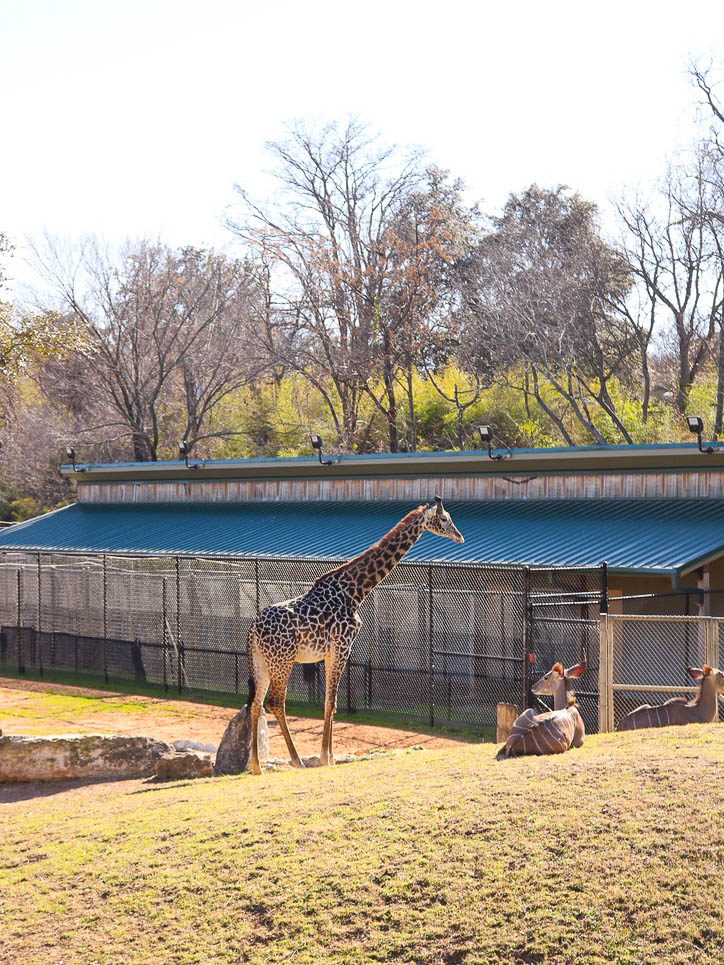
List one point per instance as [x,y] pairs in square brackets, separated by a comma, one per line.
[276,704]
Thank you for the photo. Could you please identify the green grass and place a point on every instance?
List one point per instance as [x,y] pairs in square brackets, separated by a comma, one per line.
[378,718]
[609,854]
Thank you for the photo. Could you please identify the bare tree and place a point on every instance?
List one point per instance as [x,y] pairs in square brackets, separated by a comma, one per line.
[670,253]
[540,300]
[355,248]
[169,335]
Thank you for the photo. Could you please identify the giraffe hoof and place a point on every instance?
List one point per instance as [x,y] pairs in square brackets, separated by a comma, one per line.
[254,768]
[299,763]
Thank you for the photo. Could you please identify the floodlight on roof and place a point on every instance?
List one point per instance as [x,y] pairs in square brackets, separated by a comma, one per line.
[696,425]
[70,453]
[183,452]
[316,442]
[486,436]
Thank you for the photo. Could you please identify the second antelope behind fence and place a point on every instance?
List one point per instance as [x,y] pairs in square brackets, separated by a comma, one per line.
[702,709]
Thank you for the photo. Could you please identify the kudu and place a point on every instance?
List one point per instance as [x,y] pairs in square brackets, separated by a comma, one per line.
[554,731]
[701,710]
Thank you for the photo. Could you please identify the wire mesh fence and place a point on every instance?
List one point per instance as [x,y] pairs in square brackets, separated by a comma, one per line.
[565,616]
[438,643]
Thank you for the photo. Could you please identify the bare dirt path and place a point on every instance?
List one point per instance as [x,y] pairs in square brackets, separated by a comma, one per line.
[25,710]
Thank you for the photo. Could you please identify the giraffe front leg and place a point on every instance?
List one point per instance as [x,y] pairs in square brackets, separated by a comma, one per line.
[334,666]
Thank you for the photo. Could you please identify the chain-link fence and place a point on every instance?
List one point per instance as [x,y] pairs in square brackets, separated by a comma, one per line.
[565,607]
[646,660]
[438,643]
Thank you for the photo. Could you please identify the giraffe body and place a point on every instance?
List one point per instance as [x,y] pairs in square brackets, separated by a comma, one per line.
[322,624]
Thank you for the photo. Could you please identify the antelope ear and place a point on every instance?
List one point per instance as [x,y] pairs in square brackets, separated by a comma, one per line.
[438,504]
[577,670]
[696,672]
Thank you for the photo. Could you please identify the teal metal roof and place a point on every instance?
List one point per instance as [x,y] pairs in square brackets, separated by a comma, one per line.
[644,535]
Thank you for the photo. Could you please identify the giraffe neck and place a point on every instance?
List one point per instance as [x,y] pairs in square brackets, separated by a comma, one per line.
[362,574]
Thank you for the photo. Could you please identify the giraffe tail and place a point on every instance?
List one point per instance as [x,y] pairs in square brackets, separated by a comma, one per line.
[250,661]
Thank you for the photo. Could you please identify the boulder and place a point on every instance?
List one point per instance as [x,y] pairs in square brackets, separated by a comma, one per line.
[172,766]
[189,745]
[70,757]
[232,756]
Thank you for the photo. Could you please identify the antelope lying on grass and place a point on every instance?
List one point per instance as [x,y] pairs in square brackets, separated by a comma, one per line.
[554,731]
[701,710]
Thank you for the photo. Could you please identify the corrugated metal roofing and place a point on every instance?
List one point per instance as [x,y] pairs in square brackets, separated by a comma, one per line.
[646,535]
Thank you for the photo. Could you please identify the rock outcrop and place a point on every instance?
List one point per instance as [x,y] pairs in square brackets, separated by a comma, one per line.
[174,766]
[232,756]
[69,757]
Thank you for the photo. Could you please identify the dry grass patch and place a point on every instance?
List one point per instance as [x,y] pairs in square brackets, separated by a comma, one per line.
[608,854]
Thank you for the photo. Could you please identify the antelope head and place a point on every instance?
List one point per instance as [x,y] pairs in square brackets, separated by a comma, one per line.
[557,682]
[711,674]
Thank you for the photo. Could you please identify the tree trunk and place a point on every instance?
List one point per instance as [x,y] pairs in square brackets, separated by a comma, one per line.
[389,381]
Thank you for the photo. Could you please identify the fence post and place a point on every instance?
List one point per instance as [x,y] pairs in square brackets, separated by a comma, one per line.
[604,587]
[105,620]
[52,610]
[431,654]
[164,632]
[712,642]
[256,577]
[40,619]
[179,670]
[525,685]
[349,686]
[21,648]
[603,673]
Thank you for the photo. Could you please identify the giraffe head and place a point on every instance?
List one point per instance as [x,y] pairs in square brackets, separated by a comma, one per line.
[438,521]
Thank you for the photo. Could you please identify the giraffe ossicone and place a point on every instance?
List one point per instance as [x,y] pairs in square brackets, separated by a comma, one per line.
[322,624]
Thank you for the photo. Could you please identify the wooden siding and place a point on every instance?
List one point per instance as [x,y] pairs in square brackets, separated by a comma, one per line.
[564,486]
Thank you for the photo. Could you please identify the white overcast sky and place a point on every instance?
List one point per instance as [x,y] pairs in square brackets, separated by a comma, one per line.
[130,118]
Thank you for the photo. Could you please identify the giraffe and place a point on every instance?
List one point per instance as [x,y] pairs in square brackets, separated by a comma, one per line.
[321,625]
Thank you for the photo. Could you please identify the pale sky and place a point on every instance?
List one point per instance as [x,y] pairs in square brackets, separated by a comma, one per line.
[129,118]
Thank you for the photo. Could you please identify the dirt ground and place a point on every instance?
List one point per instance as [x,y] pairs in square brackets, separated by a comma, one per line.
[176,720]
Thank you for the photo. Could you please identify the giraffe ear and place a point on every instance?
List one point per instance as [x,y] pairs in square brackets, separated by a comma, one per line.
[438,505]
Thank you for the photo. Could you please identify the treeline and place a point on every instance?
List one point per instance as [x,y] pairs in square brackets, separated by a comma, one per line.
[370,302]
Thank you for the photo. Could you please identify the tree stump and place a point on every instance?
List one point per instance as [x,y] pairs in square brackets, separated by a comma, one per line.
[506,716]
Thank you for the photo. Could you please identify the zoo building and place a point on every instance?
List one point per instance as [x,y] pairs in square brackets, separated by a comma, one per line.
[613,555]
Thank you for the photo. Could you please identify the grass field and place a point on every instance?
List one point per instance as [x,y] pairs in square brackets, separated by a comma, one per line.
[613,853]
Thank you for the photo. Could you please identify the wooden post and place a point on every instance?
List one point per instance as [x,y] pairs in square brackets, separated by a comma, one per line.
[506,717]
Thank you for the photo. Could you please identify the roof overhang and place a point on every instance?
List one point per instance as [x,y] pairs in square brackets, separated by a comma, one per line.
[674,457]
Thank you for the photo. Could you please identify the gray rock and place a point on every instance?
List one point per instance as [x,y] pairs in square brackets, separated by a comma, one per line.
[172,766]
[188,745]
[232,756]
[76,756]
